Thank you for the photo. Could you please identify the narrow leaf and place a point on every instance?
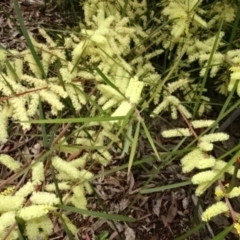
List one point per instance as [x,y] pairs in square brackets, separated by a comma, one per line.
[191,231]
[77,120]
[97,214]
[127,142]
[68,232]
[224,233]
[133,148]
[150,140]
[105,78]
[27,37]
[163,188]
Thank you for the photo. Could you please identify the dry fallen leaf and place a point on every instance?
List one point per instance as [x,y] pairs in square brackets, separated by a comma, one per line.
[131,183]
[129,234]
[172,211]
[164,220]
[36,148]
[185,203]
[157,206]
[123,204]
[155,237]
[97,224]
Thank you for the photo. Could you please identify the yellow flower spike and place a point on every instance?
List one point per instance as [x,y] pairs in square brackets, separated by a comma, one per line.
[215,137]
[10,203]
[134,90]
[7,191]
[214,210]
[34,211]
[237,217]
[9,162]
[235,192]
[237,227]
[219,193]
[177,132]
[203,177]
[201,188]
[6,219]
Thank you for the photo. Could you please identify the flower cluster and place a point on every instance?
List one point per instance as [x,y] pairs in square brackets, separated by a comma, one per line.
[36,214]
[106,38]
[214,210]
[198,158]
[219,193]
[171,102]
[114,41]
[235,76]
[189,22]
[180,13]
[211,167]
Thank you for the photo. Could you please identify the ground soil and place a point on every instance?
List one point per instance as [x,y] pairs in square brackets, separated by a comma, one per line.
[159,216]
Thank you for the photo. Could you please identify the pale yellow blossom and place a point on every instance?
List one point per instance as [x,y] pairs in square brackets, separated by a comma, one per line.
[214,210]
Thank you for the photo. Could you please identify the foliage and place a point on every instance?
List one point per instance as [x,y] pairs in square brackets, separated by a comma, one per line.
[106,71]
